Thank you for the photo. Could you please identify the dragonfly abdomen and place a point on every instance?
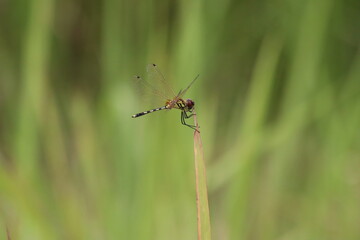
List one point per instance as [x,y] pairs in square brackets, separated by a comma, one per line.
[150,111]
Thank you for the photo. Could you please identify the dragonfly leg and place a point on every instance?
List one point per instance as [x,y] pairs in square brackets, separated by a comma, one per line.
[185,116]
[188,116]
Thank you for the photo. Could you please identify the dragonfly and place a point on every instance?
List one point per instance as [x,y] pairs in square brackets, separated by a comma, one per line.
[186,106]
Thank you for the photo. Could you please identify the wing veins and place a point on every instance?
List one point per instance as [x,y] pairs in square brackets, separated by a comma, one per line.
[153,69]
[182,93]
[151,87]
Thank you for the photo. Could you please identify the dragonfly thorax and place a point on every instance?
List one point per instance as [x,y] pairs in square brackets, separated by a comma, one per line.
[186,105]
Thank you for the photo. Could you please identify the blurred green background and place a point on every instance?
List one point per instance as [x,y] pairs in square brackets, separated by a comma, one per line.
[278,101]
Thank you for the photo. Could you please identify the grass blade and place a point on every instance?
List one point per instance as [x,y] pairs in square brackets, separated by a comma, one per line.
[202,204]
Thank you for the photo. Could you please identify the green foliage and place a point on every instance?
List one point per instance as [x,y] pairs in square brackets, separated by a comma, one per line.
[278,101]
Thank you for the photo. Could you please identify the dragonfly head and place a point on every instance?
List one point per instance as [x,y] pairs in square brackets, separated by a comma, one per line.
[189,104]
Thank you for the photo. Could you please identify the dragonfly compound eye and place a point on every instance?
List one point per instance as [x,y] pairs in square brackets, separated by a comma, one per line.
[190,103]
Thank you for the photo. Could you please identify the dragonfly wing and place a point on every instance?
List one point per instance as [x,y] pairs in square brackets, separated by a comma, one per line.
[156,77]
[145,87]
[182,93]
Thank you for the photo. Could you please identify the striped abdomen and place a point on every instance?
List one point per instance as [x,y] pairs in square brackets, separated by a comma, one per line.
[150,111]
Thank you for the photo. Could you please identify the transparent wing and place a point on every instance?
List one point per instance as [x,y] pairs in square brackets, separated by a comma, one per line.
[145,88]
[158,79]
[182,93]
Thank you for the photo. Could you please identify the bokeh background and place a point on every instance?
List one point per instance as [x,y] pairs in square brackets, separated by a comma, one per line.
[278,101]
